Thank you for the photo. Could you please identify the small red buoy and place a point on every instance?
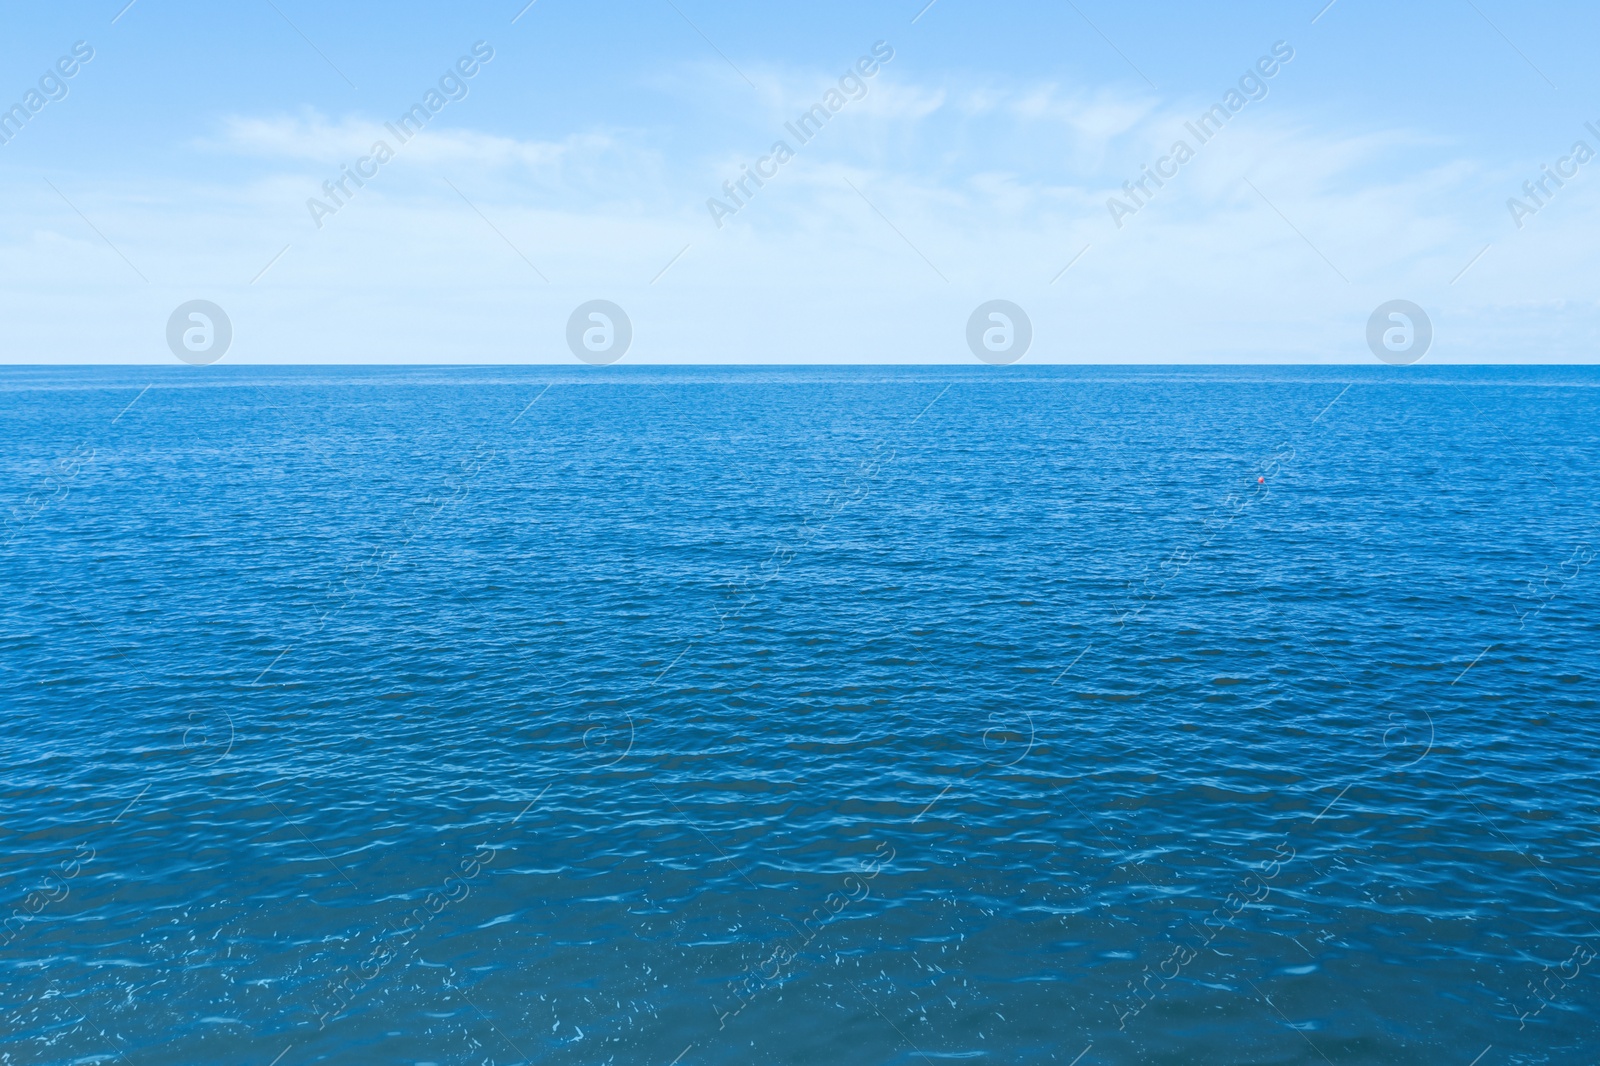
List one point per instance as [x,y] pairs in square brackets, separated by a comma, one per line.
[1261,481]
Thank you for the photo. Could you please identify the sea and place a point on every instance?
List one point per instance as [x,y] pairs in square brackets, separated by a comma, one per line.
[816,715]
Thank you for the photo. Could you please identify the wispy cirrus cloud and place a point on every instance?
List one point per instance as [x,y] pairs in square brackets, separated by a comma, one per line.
[999,182]
[315,138]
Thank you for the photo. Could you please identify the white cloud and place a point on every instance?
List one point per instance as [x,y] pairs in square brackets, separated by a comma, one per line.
[1096,118]
[892,101]
[308,137]
[997,187]
[312,137]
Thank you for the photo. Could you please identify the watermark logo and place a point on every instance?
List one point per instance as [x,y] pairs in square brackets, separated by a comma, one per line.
[452,88]
[199,332]
[1408,737]
[599,332]
[209,735]
[852,86]
[52,86]
[1542,190]
[1252,86]
[999,332]
[607,737]
[54,890]
[1399,332]
[778,967]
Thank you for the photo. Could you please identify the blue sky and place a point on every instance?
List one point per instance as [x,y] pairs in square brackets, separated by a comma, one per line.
[977,165]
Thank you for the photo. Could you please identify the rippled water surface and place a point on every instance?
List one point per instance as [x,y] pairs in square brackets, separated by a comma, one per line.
[834,716]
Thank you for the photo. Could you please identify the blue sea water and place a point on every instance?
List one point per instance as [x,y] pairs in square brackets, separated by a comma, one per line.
[1088,715]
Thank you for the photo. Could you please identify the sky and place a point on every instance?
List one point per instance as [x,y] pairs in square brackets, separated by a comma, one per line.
[985,158]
